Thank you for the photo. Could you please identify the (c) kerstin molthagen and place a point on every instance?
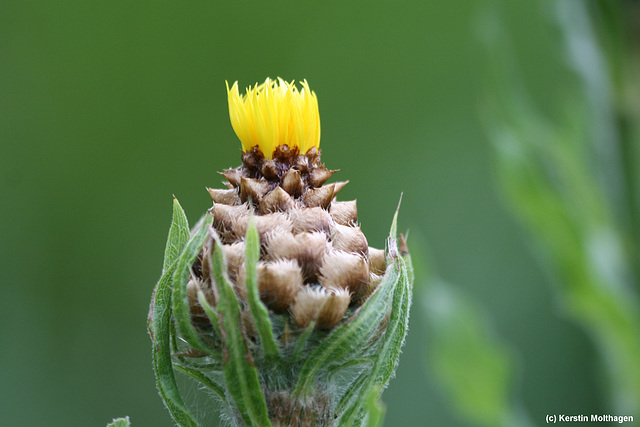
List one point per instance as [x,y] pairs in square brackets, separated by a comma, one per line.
[274,301]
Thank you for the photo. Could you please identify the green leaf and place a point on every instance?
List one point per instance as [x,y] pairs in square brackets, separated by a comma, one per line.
[258,310]
[352,397]
[203,379]
[375,408]
[394,223]
[302,341]
[120,422]
[162,363]
[398,324]
[349,339]
[240,373]
[211,313]
[181,311]
[161,325]
[352,407]
[178,235]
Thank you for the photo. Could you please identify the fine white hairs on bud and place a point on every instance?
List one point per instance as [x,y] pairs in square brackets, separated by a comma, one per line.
[371,285]
[343,270]
[226,197]
[321,197]
[226,218]
[344,213]
[306,248]
[279,283]
[377,261]
[349,239]
[234,254]
[253,189]
[233,176]
[277,200]
[271,222]
[264,223]
[374,280]
[310,219]
[324,306]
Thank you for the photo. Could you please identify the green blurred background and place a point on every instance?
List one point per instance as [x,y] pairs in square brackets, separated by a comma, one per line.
[109,108]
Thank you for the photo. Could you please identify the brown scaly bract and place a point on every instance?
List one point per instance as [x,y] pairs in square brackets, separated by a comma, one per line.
[315,261]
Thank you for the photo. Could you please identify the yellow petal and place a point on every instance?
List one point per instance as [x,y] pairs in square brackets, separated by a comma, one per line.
[275,113]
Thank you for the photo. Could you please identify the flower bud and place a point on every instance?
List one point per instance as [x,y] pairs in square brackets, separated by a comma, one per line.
[275,301]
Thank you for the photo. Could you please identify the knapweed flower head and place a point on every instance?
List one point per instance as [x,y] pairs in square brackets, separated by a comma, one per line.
[275,113]
[274,300]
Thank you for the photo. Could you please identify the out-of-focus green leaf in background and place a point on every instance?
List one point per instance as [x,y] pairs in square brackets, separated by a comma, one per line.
[109,108]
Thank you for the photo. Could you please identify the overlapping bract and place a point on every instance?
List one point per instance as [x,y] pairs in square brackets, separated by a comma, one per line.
[274,301]
[281,376]
[315,260]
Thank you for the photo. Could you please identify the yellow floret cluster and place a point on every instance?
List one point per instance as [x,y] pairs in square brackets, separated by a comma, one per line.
[275,113]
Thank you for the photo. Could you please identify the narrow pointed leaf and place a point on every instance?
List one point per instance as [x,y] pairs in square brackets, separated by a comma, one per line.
[204,380]
[350,337]
[398,324]
[210,312]
[302,341]
[178,235]
[189,363]
[165,378]
[181,311]
[240,374]
[394,223]
[352,407]
[258,310]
